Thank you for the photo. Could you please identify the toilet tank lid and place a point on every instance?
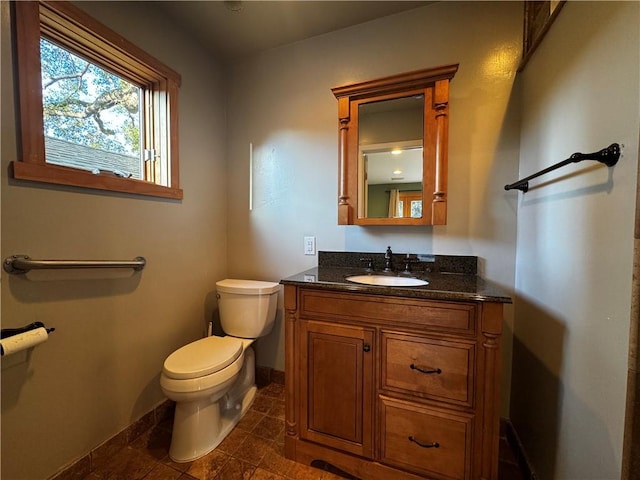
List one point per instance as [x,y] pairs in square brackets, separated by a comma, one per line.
[247,287]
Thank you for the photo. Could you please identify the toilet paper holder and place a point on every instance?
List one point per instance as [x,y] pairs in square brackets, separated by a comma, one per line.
[10,332]
[13,340]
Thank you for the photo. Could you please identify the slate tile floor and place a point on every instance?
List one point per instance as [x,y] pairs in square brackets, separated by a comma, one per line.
[254,450]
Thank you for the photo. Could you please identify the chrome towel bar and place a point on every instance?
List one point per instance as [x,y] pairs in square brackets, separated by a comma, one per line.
[18,264]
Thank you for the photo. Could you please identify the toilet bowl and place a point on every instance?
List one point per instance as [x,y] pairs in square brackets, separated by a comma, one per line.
[212,380]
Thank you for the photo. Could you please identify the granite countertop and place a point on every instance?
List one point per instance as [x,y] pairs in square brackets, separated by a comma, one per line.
[443,284]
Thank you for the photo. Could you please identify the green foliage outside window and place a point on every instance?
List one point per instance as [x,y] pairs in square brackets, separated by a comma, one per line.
[87,105]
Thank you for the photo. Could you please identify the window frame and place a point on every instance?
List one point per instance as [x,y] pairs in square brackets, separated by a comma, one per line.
[75,30]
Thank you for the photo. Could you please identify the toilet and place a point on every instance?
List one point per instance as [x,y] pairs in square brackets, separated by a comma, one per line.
[212,380]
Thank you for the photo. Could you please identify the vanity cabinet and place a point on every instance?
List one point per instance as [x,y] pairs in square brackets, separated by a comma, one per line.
[384,386]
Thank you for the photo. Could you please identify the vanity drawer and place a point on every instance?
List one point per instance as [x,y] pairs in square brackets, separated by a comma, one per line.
[430,368]
[449,317]
[428,442]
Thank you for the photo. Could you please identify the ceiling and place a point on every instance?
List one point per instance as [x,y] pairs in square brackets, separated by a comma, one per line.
[386,168]
[233,29]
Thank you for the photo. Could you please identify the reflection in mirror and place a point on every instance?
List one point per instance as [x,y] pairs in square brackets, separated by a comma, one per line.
[390,158]
[390,180]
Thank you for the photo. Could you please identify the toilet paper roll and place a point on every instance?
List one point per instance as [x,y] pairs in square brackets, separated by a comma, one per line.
[22,341]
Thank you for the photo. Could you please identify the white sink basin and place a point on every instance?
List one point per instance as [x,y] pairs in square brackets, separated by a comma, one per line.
[387,281]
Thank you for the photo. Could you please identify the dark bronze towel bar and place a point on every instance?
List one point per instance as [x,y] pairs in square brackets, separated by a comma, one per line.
[609,156]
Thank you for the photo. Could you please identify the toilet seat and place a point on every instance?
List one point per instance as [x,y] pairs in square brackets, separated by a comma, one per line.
[202,357]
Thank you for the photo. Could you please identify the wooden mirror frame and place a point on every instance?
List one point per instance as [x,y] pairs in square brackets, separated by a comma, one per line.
[433,83]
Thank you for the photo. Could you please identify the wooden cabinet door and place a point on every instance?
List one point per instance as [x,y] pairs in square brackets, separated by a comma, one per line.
[336,388]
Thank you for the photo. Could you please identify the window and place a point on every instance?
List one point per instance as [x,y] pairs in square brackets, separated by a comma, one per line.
[410,204]
[96,111]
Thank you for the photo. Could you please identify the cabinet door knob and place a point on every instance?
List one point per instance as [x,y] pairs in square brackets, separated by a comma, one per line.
[366,347]
[424,445]
[413,366]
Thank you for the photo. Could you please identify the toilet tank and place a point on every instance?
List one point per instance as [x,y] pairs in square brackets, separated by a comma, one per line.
[247,307]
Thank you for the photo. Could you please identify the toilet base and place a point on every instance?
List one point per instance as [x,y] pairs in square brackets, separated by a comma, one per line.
[200,426]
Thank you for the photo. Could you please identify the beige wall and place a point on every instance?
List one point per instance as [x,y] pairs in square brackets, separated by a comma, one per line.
[281,102]
[99,370]
[575,243]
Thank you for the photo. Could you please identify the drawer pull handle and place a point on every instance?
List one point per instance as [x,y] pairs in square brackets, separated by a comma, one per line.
[413,366]
[366,347]
[424,445]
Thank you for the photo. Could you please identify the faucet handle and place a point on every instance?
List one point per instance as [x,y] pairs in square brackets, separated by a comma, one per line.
[369,263]
[408,260]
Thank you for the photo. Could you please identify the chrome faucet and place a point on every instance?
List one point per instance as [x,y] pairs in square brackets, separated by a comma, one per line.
[388,260]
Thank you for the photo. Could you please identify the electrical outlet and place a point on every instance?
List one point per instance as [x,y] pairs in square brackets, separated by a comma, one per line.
[309,245]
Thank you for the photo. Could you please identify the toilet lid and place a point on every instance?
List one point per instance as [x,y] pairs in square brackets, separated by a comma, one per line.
[202,357]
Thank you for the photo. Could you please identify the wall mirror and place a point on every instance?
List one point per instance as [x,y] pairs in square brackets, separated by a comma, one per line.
[393,135]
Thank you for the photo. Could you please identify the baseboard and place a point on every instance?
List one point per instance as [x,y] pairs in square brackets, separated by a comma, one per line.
[267,375]
[82,467]
[511,436]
